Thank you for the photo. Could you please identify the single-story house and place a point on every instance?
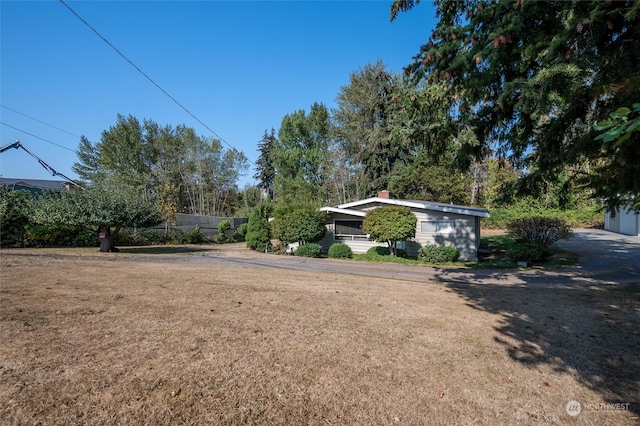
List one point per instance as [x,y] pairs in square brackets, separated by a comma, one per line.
[623,221]
[437,223]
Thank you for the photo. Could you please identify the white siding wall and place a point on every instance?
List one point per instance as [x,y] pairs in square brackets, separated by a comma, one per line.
[464,236]
[623,222]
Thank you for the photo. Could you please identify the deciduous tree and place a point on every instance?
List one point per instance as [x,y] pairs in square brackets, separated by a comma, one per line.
[300,156]
[103,209]
[194,174]
[390,225]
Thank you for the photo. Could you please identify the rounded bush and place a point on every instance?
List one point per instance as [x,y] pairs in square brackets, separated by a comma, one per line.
[527,252]
[384,251]
[340,251]
[309,250]
[257,237]
[433,253]
[379,250]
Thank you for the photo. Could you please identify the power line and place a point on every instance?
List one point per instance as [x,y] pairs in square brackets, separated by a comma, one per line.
[40,121]
[149,78]
[37,137]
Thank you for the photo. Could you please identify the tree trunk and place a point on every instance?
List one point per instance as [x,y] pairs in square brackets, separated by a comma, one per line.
[108,239]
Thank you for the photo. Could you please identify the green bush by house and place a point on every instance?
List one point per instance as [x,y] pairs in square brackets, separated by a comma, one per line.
[433,253]
[309,250]
[340,251]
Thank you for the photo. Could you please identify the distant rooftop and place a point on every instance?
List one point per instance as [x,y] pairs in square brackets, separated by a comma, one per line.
[35,184]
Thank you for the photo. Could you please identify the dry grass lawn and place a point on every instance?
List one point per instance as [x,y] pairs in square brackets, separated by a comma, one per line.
[129,338]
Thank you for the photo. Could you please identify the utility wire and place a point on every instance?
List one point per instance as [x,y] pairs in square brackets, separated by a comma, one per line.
[18,144]
[149,78]
[37,137]
[40,121]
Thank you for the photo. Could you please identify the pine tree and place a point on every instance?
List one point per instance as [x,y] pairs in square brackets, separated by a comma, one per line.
[265,172]
[533,78]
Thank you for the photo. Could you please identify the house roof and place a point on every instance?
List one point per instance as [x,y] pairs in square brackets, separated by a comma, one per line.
[359,213]
[352,208]
[41,184]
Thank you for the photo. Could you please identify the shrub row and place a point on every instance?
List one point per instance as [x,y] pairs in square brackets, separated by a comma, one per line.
[582,217]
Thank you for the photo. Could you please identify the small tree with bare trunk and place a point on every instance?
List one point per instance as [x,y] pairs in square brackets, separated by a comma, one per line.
[390,224]
[104,210]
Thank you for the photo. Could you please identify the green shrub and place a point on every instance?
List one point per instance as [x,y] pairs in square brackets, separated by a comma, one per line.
[278,247]
[340,251]
[14,217]
[153,237]
[128,237]
[379,250]
[58,236]
[527,252]
[223,226]
[433,253]
[587,216]
[258,229]
[241,233]
[176,236]
[194,236]
[539,230]
[298,224]
[85,238]
[242,229]
[309,250]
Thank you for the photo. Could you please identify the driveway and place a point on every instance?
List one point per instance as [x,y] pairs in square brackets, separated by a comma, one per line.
[604,254]
[605,258]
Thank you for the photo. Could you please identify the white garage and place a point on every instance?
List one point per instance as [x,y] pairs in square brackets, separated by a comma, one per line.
[624,221]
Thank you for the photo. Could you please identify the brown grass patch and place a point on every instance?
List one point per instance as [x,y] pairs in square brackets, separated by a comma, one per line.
[127,339]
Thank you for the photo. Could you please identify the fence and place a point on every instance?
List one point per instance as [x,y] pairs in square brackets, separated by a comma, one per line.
[208,224]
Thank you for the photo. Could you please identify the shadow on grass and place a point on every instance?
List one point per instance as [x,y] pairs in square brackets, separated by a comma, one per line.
[590,331]
[164,249]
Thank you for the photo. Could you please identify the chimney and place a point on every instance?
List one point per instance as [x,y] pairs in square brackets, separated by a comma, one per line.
[384,194]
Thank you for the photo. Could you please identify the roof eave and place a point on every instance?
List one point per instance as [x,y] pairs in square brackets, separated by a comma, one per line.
[418,205]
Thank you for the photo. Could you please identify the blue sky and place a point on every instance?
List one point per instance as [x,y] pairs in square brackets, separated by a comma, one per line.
[239,66]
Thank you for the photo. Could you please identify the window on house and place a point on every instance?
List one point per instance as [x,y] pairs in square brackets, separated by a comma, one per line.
[436,226]
[349,230]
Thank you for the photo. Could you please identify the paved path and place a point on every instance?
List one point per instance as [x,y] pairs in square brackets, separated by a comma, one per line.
[605,258]
[606,254]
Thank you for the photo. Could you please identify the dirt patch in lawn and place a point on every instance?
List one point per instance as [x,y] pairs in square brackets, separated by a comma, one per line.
[93,338]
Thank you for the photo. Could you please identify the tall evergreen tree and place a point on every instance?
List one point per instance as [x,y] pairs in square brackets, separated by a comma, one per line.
[532,78]
[361,120]
[265,171]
